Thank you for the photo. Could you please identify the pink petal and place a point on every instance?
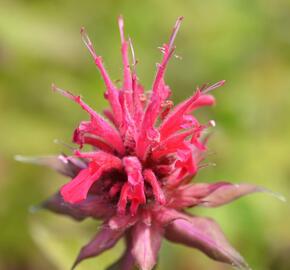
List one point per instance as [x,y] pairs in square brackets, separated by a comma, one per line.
[168,50]
[97,143]
[139,100]
[187,161]
[204,100]
[133,169]
[94,206]
[115,189]
[127,81]
[112,93]
[149,118]
[123,200]
[134,188]
[97,126]
[175,119]
[77,189]
[153,181]
[205,235]
[170,144]
[146,241]
[160,93]
[166,107]
[102,159]
[127,72]
[134,206]
[108,113]
[105,239]
[128,128]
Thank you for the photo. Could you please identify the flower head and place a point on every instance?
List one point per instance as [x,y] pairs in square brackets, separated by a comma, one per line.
[137,176]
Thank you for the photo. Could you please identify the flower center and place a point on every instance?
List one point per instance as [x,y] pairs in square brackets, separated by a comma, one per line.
[134,185]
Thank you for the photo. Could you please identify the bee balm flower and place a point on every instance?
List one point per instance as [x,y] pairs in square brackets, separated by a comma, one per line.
[137,176]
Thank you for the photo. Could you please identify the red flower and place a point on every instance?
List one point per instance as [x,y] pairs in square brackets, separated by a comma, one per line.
[137,176]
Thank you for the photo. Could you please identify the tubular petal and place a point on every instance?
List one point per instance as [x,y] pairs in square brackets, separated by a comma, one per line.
[160,93]
[77,189]
[135,179]
[186,161]
[98,125]
[133,168]
[153,181]
[108,113]
[113,95]
[123,199]
[98,143]
[204,100]
[101,158]
[174,120]
[170,144]
[168,50]
[127,81]
[138,93]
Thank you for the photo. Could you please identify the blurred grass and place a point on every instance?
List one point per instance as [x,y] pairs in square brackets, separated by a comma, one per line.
[245,42]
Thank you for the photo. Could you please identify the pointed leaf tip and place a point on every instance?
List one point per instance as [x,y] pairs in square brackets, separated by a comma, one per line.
[205,235]
[277,195]
[104,240]
[225,193]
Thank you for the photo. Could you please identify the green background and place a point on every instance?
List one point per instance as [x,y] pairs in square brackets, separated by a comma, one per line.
[246,42]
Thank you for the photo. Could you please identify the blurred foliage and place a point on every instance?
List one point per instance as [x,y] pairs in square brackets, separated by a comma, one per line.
[246,42]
